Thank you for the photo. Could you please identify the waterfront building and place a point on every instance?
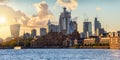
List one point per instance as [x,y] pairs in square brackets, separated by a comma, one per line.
[75,42]
[87,28]
[43,31]
[33,33]
[15,29]
[89,41]
[104,40]
[118,33]
[114,41]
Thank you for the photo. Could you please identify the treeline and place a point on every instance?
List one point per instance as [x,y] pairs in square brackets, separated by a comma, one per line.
[52,39]
[14,42]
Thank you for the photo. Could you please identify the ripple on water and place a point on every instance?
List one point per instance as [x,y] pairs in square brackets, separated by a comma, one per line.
[60,54]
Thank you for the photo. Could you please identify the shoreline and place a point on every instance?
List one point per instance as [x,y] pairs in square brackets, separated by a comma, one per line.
[80,47]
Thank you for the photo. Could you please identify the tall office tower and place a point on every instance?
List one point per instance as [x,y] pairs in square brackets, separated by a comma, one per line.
[43,31]
[52,27]
[73,27]
[15,29]
[33,33]
[64,21]
[97,26]
[87,28]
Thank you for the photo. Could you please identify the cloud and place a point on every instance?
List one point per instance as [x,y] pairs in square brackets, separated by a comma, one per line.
[69,4]
[2,1]
[42,16]
[11,15]
[38,20]
[98,8]
[22,18]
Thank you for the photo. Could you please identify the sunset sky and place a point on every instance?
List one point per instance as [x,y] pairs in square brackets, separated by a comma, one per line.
[35,13]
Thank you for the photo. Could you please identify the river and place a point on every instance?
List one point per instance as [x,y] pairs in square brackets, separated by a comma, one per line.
[59,54]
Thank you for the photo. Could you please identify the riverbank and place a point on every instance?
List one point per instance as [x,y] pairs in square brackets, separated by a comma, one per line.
[80,47]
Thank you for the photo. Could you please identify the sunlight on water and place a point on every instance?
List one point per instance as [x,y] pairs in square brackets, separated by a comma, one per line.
[60,54]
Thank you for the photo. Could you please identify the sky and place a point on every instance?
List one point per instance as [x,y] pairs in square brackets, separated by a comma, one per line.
[35,13]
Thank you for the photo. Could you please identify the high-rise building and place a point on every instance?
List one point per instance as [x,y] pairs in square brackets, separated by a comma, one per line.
[75,25]
[15,29]
[97,26]
[87,28]
[33,33]
[64,21]
[43,31]
[52,27]
[72,27]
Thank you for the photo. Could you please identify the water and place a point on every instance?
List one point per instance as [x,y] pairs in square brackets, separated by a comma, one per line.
[60,54]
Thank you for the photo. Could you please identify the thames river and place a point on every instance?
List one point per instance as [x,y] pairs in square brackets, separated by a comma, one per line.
[59,54]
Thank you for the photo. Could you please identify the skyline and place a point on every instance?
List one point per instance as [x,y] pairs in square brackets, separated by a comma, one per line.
[106,11]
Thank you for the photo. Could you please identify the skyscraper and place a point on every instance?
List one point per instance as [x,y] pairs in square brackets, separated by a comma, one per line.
[97,26]
[64,21]
[15,29]
[87,28]
[72,27]
[33,33]
[43,31]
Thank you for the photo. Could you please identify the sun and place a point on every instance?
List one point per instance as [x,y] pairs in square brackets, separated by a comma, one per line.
[2,20]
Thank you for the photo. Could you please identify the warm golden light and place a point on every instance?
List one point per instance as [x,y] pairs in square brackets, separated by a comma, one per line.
[2,20]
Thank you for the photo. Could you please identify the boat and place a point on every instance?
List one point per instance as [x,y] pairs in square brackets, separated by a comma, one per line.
[17,47]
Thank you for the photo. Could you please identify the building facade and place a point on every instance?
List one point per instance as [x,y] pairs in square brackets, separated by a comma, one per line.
[73,27]
[64,21]
[33,33]
[97,27]
[104,40]
[52,27]
[15,29]
[114,41]
[89,41]
[43,31]
[87,28]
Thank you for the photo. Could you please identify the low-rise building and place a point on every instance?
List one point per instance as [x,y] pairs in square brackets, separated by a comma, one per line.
[75,42]
[89,41]
[104,40]
[114,41]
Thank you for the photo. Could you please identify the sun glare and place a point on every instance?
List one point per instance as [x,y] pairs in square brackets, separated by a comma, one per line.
[2,20]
